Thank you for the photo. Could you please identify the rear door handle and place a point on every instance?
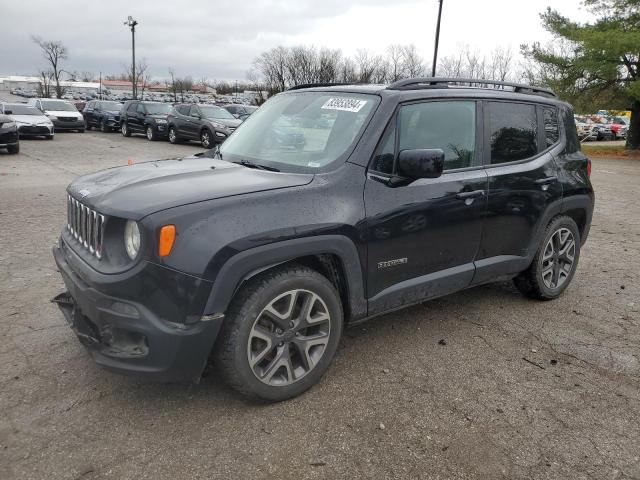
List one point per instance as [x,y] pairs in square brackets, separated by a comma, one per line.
[467,195]
[547,180]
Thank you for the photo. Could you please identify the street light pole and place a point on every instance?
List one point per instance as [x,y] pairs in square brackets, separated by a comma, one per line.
[435,49]
[131,22]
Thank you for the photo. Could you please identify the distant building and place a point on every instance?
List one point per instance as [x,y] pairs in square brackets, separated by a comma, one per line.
[18,82]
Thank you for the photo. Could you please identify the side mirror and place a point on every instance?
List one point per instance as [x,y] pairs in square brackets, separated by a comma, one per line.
[8,112]
[421,163]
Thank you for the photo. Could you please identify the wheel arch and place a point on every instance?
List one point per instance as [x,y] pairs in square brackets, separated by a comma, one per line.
[334,256]
[580,209]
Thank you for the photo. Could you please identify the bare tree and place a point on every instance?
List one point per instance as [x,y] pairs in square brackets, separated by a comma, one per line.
[413,64]
[394,59]
[173,85]
[140,73]
[87,76]
[145,82]
[328,65]
[187,83]
[54,52]
[44,86]
[366,63]
[272,66]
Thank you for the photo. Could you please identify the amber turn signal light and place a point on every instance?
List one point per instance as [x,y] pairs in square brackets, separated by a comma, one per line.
[167,237]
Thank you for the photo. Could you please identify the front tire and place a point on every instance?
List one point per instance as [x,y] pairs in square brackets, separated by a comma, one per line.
[13,149]
[49,137]
[173,136]
[206,138]
[124,129]
[103,127]
[554,263]
[281,333]
[151,134]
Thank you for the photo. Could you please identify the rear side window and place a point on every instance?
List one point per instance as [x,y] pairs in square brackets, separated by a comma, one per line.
[513,130]
[551,131]
[573,142]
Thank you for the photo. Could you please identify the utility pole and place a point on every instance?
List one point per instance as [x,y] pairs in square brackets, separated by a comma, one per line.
[100,86]
[435,49]
[131,22]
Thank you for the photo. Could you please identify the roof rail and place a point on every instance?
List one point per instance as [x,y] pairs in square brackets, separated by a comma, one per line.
[312,85]
[444,82]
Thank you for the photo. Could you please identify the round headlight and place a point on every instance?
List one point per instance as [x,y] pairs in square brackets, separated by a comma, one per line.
[132,239]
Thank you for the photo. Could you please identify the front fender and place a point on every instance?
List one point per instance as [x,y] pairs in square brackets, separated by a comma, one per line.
[242,265]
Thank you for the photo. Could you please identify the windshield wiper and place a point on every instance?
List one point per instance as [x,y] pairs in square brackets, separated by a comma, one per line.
[248,164]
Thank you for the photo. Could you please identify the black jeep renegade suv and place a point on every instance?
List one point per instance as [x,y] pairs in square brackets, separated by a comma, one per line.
[329,205]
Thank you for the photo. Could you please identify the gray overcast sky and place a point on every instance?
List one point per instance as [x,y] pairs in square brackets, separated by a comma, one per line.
[219,39]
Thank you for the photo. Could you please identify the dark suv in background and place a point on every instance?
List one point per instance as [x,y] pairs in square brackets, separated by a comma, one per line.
[102,114]
[259,253]
[148,118]
[208,124]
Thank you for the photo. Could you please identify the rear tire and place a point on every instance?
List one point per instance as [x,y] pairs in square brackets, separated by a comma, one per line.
[554,263]
[124,129]
[275,356]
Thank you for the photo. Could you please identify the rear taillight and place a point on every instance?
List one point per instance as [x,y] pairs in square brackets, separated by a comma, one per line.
[588,168]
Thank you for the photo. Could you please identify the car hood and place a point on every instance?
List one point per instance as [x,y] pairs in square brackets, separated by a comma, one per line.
[63,113]
[30,119]
[138,190]
[227,122]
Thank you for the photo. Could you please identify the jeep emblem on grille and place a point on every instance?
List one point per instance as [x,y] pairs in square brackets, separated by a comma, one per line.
[83,193]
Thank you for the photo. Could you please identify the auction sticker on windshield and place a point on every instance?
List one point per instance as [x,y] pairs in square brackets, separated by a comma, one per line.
[345,104]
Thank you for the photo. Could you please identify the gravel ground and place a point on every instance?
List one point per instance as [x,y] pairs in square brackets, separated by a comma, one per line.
[482,384]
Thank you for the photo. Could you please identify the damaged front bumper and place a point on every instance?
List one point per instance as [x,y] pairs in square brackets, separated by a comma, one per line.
[128,337]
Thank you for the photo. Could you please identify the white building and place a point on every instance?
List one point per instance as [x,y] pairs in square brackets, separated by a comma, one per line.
[14,82]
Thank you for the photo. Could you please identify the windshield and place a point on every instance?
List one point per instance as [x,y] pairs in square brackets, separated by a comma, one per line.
[157,108]
[22,110]
[211,111]
[58,106]
[302,131]
[111,106]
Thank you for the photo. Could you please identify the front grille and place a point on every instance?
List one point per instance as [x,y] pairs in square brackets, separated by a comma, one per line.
[86,226]
[33,130]
[67,119]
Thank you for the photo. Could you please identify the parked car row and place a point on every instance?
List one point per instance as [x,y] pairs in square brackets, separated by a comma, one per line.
[206,123]
[596,127]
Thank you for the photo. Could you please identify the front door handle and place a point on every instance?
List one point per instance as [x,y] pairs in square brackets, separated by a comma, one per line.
[547,180]
[470,195]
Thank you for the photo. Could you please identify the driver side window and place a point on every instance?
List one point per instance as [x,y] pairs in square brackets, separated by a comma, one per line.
[449,126]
